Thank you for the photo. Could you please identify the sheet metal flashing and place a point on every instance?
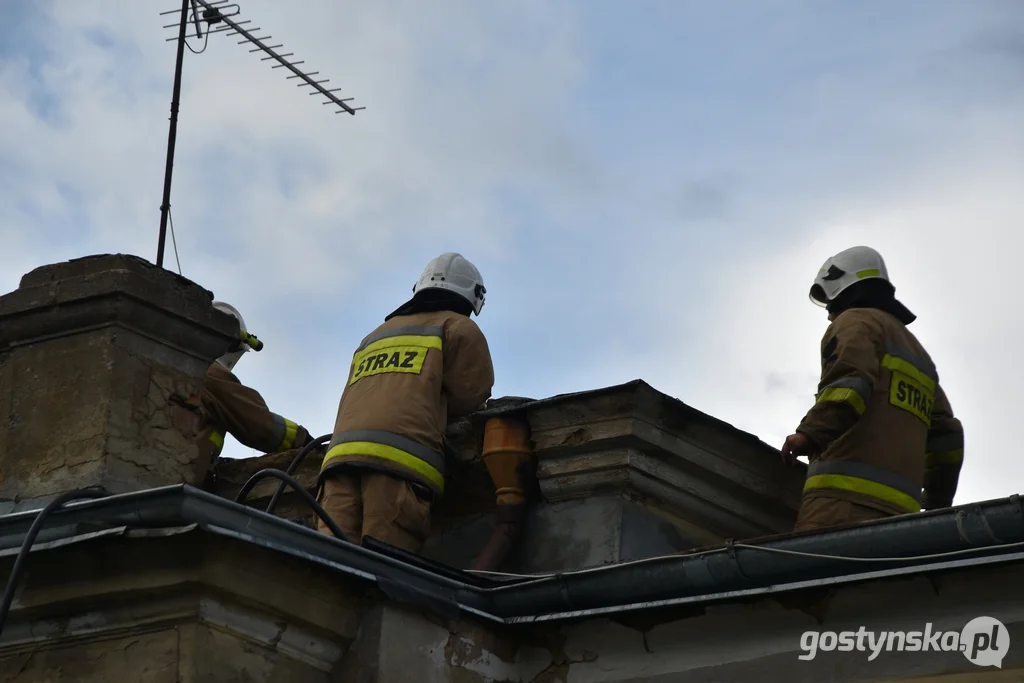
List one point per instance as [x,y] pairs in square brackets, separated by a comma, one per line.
[972,535]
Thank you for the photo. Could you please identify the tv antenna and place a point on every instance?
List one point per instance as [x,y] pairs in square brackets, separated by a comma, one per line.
[214,13]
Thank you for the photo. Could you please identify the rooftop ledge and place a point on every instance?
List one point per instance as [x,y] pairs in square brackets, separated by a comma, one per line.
[178,583]
[934,541]
[623,472]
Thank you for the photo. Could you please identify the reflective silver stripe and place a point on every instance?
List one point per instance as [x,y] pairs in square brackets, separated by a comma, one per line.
[945,442]
[862,386]
[861,471]
[902,352]
[279,427]
[853,391]
[418,330]
[432,458]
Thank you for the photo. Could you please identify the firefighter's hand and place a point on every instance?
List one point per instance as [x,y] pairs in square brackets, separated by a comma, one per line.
[796,444]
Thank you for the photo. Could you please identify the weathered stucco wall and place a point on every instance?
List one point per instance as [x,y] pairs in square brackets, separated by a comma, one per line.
[572,534]
[183,606]
[180,606]
[177,606]
[761,639]
[91,353]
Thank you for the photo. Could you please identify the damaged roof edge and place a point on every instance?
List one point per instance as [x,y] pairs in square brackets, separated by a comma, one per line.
[515,404]
[510,405]
[968,535]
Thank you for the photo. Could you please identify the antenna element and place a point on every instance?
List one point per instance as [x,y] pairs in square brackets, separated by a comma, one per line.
[222,12]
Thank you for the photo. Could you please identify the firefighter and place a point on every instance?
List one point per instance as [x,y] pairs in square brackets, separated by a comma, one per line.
[226,406]
[881,437]
[425,366]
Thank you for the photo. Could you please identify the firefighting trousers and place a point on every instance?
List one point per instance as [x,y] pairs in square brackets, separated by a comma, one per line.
[366,503]
[821,512]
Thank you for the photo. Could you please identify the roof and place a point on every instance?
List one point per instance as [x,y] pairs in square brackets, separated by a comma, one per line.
[969,535]
[510,405]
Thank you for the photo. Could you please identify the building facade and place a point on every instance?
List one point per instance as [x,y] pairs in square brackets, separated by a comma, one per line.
[654,545]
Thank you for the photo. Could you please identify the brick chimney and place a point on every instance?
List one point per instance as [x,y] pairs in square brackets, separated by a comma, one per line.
[93,353]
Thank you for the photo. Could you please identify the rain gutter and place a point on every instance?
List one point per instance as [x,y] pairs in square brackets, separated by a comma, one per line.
[971,535]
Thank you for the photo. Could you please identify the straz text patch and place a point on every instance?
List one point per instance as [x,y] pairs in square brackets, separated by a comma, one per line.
[402,353]
[907,393]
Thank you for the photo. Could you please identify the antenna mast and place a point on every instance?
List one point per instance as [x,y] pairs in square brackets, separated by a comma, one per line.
[223,12]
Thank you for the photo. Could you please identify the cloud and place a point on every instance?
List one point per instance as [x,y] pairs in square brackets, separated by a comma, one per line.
[300,217]
[646,188]
[950,239]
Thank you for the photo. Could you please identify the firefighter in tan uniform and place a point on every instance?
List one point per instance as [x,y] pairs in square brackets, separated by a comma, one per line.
[226,406]
[425,366]
[881,438]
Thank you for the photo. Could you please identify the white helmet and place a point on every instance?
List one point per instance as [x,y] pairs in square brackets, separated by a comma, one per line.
[456,274]
[229,359]
[844,269]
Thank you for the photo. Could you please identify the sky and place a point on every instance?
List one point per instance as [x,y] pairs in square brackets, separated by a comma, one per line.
[647,187]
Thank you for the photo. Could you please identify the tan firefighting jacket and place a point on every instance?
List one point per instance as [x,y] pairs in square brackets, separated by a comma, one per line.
[882,425]
[408,379]
[230,407]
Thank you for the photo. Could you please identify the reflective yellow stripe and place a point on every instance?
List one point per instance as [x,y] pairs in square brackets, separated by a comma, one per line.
[840,395]
[385,452]
[952,457]
[290,429]
[862,486]
[870,272]
[217,439]
[431,342]
[907,368]
[403,331]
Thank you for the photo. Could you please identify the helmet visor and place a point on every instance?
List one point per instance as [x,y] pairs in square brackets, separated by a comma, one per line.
[826,284]
[817,295]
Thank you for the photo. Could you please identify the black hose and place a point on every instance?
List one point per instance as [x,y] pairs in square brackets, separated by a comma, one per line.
[306,450]
[299,488]
[30,539]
